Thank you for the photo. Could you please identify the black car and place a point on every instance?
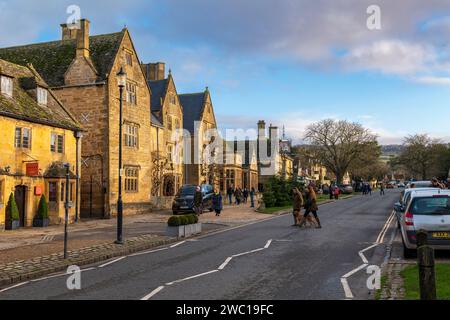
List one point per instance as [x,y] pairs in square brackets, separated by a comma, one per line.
[184,200]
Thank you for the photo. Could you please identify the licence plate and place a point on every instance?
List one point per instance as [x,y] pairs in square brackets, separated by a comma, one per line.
[441,235]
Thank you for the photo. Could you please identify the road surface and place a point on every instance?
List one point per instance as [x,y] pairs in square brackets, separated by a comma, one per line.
[262,261]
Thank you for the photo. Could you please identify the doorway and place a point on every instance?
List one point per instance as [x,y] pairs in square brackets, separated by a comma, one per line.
[20,196]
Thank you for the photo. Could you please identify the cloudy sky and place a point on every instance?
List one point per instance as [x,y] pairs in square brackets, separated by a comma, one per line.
[290,62]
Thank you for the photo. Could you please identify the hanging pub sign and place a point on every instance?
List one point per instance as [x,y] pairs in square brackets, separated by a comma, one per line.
[32,169]
[38,191]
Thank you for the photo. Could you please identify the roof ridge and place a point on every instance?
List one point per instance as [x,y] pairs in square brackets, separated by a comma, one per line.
[59,41]
[191,94]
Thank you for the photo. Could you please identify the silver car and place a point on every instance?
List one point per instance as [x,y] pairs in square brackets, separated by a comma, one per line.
[427,210]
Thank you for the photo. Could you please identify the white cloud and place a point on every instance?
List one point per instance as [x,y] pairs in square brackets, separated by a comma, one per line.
[445,81]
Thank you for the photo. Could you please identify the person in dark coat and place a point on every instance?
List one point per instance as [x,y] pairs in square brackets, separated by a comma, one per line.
[297,203]
[217,203]
[198,201]
[239,196]
[230,193]
[245,194]
[252,197]
[311,207]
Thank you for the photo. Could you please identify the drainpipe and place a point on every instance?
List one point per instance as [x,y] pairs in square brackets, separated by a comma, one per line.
[78,136]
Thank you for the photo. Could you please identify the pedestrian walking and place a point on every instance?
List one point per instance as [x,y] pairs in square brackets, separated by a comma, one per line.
[297,203]
[331,192]
[311,207]
[382,192]
[230,193]
[217,203]
[246,194]
[336,193]
[239,196]
[369,189]
[252,197]
[198,201]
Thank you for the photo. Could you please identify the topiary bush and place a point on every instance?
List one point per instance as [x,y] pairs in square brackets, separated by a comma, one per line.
[12,212]
[42,209]
[174,221]
[184,220]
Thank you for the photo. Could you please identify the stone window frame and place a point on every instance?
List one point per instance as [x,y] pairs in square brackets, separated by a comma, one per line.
[131,181]
[128,56]
[53,198]
[59,143]
[127,135]
[7,86]
[19,140]
[169,123]
[131,93]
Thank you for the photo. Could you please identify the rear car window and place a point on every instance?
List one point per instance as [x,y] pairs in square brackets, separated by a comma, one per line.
[431,206]
[187,191]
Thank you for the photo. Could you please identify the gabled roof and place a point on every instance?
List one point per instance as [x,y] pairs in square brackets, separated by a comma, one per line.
[159,89]
[23,106]
[52,59]
[192,109]
[155,121]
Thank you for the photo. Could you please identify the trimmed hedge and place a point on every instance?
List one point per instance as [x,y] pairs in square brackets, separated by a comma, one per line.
[42,209]
[12,212]
[183,220]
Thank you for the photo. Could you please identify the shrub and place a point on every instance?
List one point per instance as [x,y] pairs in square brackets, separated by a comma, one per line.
[184,220]
[12,212]
[191,219]
[42,209]
[174,221]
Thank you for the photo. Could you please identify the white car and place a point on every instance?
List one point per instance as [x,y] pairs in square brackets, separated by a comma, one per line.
[427,210]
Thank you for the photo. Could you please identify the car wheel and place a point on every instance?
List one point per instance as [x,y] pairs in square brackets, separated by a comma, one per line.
[409,253]
[399,226]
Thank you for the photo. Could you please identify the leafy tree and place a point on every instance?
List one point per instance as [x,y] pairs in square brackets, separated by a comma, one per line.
[339,145]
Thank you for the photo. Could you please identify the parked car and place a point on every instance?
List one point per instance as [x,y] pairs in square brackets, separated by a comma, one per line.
[391,185]
[184,200]
[401,185]
[420,184]
[405,196]
[427,210]
[346,189]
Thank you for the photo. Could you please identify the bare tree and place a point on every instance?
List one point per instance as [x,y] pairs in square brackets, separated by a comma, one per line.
[424,157]
[339,144]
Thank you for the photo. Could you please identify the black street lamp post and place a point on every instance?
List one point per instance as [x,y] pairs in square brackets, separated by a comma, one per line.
[66,207]
[121,80]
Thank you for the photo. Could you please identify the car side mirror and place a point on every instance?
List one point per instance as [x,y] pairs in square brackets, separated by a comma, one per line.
[399,207]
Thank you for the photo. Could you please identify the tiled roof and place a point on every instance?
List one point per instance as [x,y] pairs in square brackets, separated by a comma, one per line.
[25,107]
[52,59]
[192,109]
[158,88]
[155,121]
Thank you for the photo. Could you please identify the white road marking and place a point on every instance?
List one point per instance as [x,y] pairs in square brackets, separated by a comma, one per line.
[49,277]
[147,252]
[380,240]
[361,267]
[15,286]
[153,293]
[223,265]
[248,252]
[268,244]
[192,277]
[348,291]
[112,262]
[178,244]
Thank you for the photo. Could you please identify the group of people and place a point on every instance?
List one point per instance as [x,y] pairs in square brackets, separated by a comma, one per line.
[335,192]
[441,184]
[241,196]
[217,202]
[306,199]
[367,189]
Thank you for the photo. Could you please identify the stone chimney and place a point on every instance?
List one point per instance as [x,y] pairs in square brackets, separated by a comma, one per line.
[83,39]
[80,33]
[261,129]
[154,71]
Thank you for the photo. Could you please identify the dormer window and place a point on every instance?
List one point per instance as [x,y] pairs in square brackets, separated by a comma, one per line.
[42,96]
[7,86]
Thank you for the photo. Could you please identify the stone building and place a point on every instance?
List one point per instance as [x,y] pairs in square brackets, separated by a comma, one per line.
[167,139]
[81,69]
[199,119]
[39,135]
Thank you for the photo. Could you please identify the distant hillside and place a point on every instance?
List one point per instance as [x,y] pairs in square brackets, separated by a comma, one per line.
[393,149]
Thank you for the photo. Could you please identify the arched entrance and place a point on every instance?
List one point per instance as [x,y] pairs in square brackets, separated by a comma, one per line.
[169,186]
[20,196]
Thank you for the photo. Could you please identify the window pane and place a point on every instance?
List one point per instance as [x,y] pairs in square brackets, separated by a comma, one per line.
[52,193]
[18,138]
[60,144]
[26,138]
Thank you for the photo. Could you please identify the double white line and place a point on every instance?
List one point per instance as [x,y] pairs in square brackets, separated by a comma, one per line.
[380,240]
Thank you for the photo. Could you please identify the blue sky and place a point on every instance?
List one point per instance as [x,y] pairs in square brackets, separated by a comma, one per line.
[289,62]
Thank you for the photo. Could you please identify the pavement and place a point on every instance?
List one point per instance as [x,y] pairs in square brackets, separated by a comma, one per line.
[31,243]
[260,260]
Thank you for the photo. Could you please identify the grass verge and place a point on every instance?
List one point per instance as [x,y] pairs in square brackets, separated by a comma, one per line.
[411,282]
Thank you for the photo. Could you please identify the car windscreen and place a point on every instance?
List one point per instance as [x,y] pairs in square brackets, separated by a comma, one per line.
[187,191]
[431,206]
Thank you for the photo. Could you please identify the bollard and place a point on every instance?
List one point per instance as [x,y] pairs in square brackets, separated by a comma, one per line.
[427,275]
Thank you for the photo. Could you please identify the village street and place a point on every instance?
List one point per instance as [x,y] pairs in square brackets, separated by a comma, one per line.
[263,260]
